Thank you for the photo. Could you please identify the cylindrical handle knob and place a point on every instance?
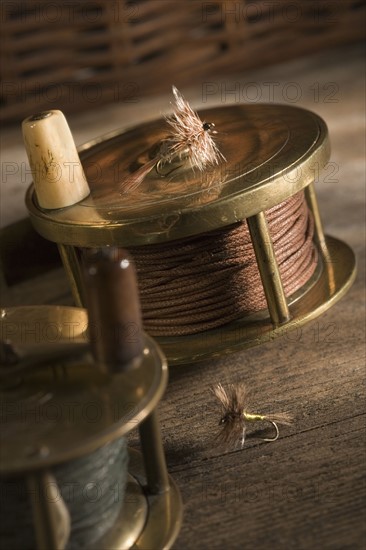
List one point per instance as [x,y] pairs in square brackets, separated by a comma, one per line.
[115,325]
[58,175]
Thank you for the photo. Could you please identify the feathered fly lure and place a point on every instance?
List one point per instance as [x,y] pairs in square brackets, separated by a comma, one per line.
[235,416]
[190,140]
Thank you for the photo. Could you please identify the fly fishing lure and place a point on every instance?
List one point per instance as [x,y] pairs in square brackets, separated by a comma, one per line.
[235,416]
[190,140]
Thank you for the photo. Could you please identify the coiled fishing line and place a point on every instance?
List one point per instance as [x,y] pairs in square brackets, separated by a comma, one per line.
[203,282]
[92,487]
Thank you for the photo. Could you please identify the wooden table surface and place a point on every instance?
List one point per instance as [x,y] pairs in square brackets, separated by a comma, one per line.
[307,489]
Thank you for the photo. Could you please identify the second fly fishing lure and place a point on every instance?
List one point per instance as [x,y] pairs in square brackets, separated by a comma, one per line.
[235,416]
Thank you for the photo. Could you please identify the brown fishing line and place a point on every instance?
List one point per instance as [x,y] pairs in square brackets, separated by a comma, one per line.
[206,281]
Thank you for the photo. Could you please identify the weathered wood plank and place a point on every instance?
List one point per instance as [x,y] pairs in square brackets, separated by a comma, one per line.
[306,490]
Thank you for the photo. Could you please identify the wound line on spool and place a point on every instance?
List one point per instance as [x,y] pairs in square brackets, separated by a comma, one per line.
[204,282]
[74,435]
[92,488]
[272,153]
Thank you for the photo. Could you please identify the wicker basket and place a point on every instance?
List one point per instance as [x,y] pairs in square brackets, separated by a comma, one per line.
[79,54]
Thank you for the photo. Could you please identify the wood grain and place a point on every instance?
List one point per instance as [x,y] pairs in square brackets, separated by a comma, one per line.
[306,490]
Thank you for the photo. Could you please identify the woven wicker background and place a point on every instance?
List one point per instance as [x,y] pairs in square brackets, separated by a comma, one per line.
[80,54]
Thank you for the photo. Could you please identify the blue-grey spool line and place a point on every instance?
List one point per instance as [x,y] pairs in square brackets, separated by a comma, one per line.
[93,489]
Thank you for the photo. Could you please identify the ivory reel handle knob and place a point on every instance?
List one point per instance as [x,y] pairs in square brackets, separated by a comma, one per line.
[58,175]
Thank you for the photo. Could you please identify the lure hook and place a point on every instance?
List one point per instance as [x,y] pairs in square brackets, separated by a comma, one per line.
[159,166]
[277,432]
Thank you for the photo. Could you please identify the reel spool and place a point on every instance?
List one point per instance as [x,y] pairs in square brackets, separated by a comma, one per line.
[272,152]
[59,408]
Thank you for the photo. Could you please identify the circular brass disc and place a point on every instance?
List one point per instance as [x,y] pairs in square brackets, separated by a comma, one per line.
[165,511]
[56,409]
[131,520]
[336,277]
[162,514]
[271,151]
